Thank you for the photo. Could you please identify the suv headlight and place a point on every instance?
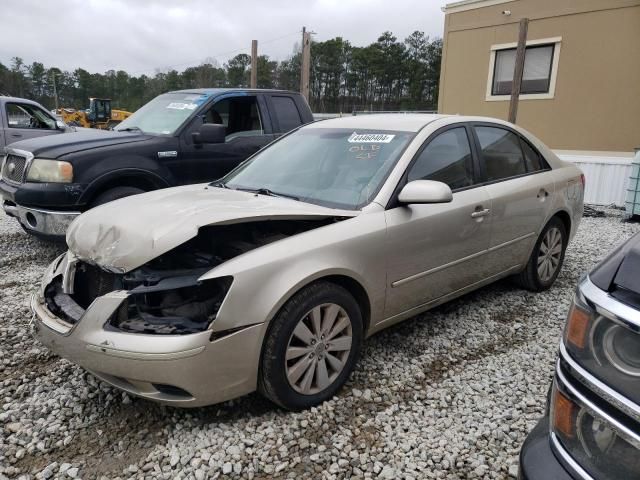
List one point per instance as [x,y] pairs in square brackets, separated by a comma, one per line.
[55,171]
[608,350]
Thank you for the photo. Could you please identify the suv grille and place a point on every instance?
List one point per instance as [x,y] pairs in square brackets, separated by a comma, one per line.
[14,167]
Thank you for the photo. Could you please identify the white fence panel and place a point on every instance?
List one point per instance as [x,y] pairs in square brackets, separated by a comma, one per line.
[606,175]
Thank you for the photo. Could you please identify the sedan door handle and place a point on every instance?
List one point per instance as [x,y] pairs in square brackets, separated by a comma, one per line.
[480,213]
[17,135]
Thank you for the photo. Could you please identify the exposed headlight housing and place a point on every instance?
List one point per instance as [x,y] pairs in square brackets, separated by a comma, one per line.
[54,171]
[174,306]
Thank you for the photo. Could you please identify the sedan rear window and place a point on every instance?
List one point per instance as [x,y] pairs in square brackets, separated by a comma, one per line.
[501,153]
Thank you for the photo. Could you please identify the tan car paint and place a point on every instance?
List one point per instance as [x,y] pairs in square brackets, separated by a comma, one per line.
[405,260]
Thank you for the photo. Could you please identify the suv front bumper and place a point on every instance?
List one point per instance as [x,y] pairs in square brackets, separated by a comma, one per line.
[43,222]
[179,370]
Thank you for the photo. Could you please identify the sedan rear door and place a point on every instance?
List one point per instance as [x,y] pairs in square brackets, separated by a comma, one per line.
[521,187]
[437,249]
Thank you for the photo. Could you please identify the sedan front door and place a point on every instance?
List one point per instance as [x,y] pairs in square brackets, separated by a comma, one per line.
[438,249]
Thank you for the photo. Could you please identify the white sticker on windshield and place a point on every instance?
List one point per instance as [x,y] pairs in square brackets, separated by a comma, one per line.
[370,138]
[182,106]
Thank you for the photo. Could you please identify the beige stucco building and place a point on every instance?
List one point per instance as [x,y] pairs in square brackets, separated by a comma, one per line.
[581,81]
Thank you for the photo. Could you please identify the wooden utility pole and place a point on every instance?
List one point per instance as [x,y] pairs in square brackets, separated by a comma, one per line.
[55,90]
[518,70]
[254,63]
[306,63]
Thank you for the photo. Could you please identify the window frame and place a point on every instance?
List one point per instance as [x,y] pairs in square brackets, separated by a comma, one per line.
[543,161]
[475,163]
[556,42]
[274,114]
[35,107]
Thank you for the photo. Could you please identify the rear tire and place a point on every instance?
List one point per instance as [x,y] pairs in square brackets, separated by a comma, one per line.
[302,369]
[546,259]
[114,194]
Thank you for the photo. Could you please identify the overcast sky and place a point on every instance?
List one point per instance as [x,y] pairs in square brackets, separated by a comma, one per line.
[140,36]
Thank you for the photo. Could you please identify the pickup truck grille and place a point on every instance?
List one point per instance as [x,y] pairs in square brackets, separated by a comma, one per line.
[13,168]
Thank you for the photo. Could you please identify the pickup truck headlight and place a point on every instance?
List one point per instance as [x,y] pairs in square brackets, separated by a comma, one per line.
[590,439]
[608,350]
[55,171]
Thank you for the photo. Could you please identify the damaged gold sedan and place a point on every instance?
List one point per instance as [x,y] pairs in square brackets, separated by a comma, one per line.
[271,278]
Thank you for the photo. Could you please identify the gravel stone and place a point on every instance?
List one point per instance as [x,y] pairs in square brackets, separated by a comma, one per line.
[449,394]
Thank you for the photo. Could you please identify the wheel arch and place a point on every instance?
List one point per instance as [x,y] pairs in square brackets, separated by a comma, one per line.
[137,178]
[565,218]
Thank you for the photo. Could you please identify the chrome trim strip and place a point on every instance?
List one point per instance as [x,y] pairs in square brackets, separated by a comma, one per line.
[569,390]
[609,307]
[600,388]
[411,278]
[557,447]
[114,352]
[445,297]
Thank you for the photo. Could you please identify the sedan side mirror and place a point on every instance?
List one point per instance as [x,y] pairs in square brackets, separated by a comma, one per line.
[210,133]
[425,191]
[60,125]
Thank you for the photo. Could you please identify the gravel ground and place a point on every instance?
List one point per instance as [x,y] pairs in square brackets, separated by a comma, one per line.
[449,394]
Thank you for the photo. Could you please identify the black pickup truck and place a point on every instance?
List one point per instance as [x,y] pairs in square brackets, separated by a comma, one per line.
[181,137]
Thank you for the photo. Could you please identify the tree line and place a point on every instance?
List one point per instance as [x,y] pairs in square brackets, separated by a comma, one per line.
[386,75]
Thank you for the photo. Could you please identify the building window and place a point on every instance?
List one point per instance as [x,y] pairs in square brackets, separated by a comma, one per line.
[538,77]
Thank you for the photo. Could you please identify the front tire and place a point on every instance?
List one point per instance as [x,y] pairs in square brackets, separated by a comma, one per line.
[547,257]
[311,347]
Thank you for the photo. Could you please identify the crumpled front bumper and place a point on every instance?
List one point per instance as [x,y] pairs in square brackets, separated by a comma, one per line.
[180,370]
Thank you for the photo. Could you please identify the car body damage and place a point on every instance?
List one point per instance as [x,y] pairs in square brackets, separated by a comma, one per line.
[272,277]
[121,236]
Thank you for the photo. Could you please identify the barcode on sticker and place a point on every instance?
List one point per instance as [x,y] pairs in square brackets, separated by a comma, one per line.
[370,138]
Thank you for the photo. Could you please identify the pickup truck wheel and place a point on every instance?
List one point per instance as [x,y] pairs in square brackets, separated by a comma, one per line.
[311,347]
[114,194]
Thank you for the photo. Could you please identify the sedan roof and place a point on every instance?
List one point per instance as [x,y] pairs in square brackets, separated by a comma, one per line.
[406,122]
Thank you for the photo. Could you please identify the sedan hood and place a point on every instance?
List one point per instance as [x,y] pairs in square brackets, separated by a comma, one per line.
[54,146]
[127,233]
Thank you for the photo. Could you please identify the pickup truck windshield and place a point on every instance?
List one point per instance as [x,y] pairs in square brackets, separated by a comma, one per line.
[338,168]
[164,114]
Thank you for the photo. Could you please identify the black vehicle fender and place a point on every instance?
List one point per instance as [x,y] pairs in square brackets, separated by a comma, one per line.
[131,177]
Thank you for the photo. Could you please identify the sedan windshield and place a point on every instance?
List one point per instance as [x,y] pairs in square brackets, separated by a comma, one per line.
[338,168]
[164,114]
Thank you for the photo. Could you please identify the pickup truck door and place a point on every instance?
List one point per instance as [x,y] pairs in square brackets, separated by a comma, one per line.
[248,130]
[23,121]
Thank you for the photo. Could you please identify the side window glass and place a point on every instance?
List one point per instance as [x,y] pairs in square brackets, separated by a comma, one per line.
[531,157]
[240,116]
[286,113]
[501,153]
[28,116]
[447,158]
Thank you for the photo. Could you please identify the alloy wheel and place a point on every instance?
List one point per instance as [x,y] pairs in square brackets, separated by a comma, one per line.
[318,348]
[549,254]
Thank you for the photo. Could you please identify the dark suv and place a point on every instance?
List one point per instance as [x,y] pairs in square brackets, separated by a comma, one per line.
[592,426]
[178,138]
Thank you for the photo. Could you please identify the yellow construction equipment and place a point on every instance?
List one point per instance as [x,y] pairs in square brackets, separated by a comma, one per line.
[98,115]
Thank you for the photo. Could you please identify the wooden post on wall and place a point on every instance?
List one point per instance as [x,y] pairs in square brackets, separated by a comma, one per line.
[254,63]
[518,70]
[305,64]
